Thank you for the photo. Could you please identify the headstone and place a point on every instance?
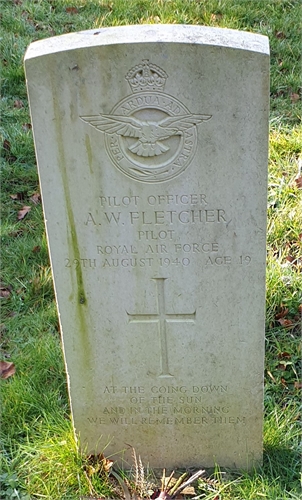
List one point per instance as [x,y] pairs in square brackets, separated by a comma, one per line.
[152,150]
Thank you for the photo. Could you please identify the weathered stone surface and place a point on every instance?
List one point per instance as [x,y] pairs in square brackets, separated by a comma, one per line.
[152,150]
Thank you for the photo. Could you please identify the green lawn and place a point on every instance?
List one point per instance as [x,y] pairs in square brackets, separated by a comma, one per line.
[39,456]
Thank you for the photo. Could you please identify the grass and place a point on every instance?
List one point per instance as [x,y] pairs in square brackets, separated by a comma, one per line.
[40,458]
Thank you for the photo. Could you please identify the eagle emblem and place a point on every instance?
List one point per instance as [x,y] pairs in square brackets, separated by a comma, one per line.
[149,134]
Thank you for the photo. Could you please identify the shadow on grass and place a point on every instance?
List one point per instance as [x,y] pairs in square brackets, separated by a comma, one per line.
[282,464]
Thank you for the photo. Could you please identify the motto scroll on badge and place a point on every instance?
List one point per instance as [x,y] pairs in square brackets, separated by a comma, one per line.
[150,136]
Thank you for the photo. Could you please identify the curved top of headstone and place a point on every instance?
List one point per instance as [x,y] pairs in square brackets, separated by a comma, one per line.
[156,33]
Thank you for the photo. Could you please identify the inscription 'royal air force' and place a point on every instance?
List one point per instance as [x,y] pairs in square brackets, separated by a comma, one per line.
[150,136]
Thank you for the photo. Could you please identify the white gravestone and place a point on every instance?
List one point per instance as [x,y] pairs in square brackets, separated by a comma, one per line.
[152,150]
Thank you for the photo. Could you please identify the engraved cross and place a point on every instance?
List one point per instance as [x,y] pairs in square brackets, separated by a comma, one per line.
[162,318]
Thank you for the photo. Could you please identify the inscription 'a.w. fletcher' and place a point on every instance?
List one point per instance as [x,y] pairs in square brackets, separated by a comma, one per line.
[159,217]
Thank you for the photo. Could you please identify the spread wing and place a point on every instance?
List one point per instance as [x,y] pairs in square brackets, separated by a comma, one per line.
[176,124]
[114,124]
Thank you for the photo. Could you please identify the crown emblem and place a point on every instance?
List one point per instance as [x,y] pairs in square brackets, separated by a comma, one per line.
[146,76]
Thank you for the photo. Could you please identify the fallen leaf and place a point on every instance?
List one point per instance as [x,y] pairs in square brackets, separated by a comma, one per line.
[5,291]
[26,127]
[282,313]
[35,198]
[107,464]
[283,382]
[18,196]
[280,34]
[284,355]
[7,369]
[216,17]
[287,323]
[18,104]
[6,145]
[97,463]
[298,181]
[281,367]
[294,97]
[298,385]
[23,212]
[189,490]
[36,249]
[71,10]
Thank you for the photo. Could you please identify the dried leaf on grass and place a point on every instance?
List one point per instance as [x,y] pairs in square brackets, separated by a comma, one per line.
[287,323]
[23,212]
[98,464]
[216,17]
[284,383]
[26,127]
[294,97]
[71,10]
[5,291]
[18,196]
[280,35]
[18,104]
[35,198]
[283,312]
[6,145]
[7,369]
[298,181]
[284,355]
